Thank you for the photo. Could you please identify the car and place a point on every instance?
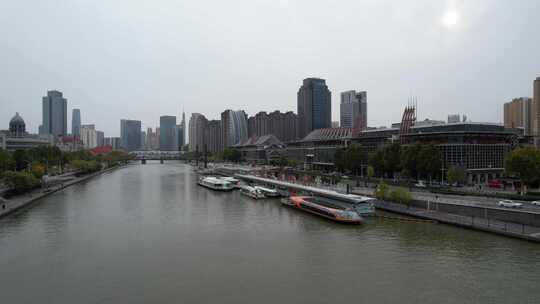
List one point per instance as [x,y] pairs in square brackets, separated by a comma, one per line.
[509,204]
[420,184]
[536,203]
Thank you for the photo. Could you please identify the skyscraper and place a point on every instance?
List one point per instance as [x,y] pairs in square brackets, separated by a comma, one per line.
[130,134]
[76,123]
[281,125]
[353,110]
[518,114]
[314,106]
[54,114]
[536,107]
[197,125]
[234,127]
[100,138]
[89,136]
[212,137]
[167,135]
[183,142]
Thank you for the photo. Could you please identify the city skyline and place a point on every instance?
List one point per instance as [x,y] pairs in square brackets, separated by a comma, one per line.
[415,53]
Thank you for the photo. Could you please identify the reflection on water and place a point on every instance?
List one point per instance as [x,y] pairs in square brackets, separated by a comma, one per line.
[148,233]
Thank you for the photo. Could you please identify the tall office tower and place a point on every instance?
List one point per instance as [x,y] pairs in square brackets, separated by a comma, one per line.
[179,142]
[234,128]
[212,137]
[130,134]
[76,123]
[314,106]
[100,138]
[54,114]
[143,141]
[148,139]
[518,114]
[167,135]
[197,125]
[89,136]
[536,108]
[183,142]
[353,109]
[156,139]
[114,142]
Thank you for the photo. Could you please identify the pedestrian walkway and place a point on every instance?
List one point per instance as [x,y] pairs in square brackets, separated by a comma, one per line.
[521,231]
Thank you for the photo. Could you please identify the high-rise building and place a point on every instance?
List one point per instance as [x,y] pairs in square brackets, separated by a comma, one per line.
[100,138]
[518,114]
[147,140]
[314,106]
[76,123]
[167,135]
[234,127]
[183,140]
[197,125]
[89,136]
[54,114]
[281,125]
[130,134]
[114,142]
[179,132]
[212,137]
[353,110]
[536,108]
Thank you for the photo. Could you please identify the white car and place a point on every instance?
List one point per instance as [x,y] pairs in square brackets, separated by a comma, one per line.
[536,203]
[420,184]
[509,204]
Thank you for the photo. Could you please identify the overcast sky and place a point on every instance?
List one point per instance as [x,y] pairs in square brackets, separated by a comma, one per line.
[142,59]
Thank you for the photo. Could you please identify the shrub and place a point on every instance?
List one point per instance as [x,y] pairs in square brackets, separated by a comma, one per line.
[401,195]
[382,191]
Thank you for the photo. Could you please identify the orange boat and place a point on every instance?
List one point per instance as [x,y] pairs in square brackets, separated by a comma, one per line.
[321,208]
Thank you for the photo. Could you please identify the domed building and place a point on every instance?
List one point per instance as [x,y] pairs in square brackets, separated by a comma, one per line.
[17,127]
[16,138]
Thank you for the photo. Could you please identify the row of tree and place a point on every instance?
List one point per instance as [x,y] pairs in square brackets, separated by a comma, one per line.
[414,161]
[23,169]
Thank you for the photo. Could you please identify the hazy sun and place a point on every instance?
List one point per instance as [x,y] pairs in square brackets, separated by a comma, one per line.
[450,19]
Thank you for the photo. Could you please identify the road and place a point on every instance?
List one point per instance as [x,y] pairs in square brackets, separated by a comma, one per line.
[468,200]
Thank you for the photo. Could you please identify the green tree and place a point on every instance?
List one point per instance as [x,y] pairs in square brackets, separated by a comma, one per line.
[21,160]
[525,164]
[6,161]
[401,195]
[381,192]
[429,161]
[376,161]
[456,174]
[370,171]
[392,159]
[20,182]
[409,160]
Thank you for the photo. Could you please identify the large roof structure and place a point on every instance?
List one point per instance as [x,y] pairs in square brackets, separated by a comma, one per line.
[328,134]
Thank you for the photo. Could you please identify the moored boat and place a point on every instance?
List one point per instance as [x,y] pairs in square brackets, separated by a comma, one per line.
[215,183]
[235,182]
[268,192]
[333,212]
[251,192]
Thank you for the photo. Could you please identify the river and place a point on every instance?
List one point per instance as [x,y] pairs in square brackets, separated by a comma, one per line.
[149,234]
